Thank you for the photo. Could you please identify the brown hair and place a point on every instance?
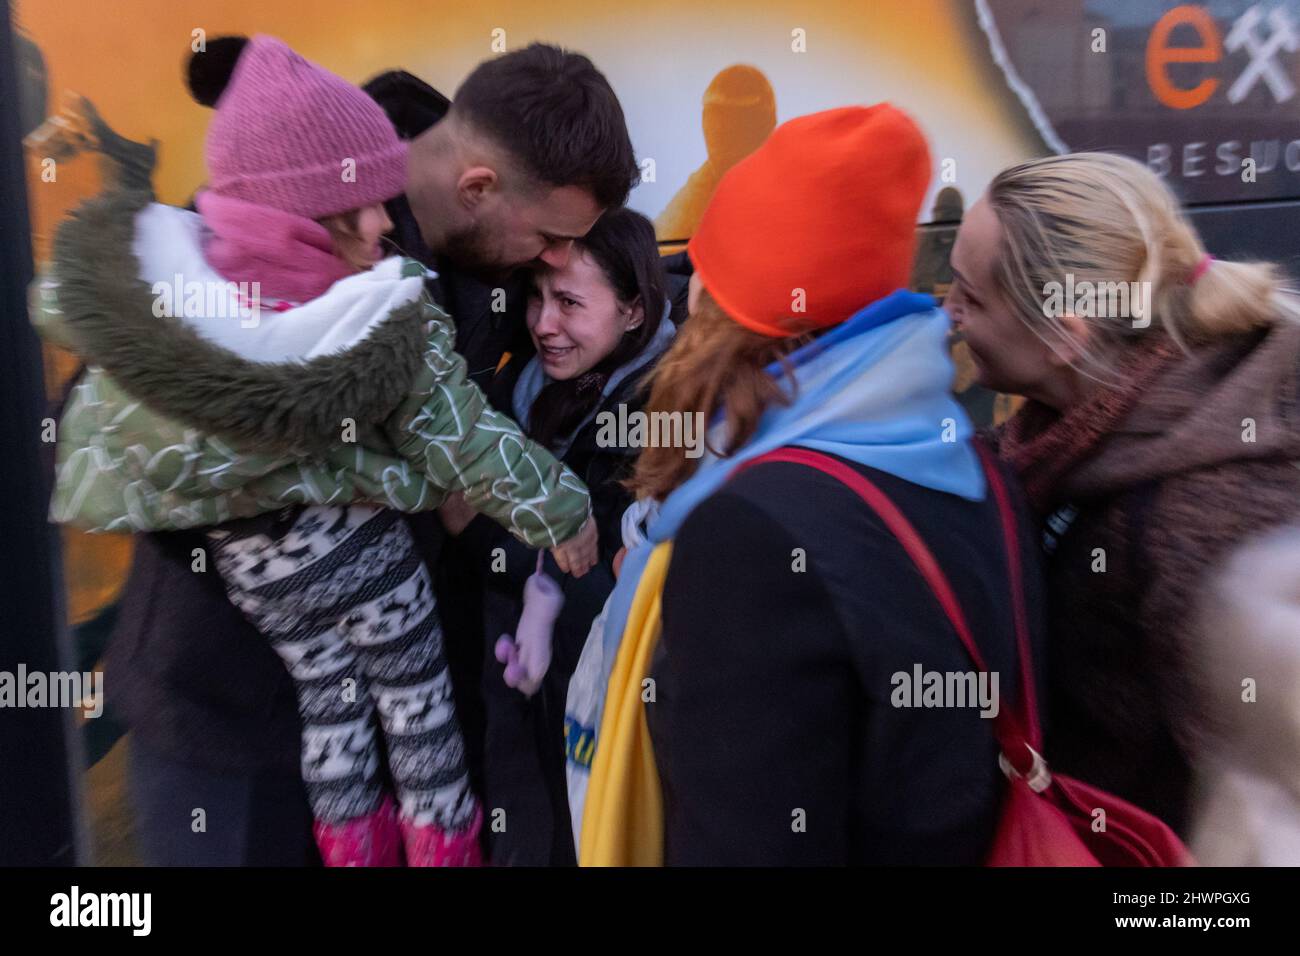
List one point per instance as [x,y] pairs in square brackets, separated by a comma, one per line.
[345,230]
[622,244]
[714,363]
[556,115]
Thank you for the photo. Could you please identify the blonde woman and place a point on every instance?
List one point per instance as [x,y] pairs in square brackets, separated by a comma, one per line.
[1161,428]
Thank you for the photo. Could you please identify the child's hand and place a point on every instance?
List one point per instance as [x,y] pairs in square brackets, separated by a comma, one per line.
[578,555]
[455,513]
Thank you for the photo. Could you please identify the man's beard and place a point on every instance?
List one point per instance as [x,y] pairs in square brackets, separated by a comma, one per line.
[470,252]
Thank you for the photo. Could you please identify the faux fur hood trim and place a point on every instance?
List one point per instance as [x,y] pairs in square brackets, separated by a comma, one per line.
[299,406]
[1249,616]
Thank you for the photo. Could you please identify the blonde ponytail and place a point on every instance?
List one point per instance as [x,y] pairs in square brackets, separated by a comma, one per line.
[1231,297]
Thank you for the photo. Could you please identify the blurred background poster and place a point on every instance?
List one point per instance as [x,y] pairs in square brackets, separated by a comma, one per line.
[1201,92]
[700,90]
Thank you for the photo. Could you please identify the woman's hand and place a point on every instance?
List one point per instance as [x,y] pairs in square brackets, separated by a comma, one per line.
[578,555]
[455,513]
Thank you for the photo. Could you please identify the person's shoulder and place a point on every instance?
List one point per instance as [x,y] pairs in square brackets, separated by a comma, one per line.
[796,497]
[783,512]
[734,562]
[784,550]
[841,534]
[631,392]
[728,515]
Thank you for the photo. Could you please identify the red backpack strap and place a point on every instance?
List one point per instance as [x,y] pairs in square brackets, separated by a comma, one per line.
[1015,575]
[1019,747]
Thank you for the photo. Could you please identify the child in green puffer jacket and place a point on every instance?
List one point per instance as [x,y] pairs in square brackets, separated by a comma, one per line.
[249,360]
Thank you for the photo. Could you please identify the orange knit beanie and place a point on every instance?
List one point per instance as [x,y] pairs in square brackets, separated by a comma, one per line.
[818,222]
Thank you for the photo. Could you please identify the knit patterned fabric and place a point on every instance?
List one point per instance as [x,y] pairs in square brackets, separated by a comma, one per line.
[346,602]
[291,135]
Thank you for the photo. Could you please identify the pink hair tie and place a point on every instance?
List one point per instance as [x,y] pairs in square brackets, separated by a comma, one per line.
[1201,268]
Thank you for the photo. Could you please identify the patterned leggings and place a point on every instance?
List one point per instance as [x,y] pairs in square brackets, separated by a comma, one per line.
[346,602]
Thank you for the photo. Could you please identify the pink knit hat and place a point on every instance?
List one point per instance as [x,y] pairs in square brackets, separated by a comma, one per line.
[293,136]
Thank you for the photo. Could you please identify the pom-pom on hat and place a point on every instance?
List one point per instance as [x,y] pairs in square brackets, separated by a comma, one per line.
[293,136]
[208,71]
[822,216]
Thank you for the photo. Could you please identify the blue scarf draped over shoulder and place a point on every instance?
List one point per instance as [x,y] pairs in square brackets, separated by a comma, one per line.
[875,390]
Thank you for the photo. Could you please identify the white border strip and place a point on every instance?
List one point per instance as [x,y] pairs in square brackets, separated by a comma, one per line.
[1018,86]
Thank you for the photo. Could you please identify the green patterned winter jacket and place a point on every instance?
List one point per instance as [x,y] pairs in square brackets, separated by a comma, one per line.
[193,411]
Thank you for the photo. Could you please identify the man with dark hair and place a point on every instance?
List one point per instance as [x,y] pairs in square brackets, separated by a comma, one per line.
[513,100]
[518,169]
[534,149]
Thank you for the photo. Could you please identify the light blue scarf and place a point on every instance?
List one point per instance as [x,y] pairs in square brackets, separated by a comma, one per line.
[875,390]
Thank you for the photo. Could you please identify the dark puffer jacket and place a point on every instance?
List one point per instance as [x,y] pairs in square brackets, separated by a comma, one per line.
[776,732]
[1205,460]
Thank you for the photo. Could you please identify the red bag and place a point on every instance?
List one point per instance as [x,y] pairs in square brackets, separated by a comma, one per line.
[1047,819]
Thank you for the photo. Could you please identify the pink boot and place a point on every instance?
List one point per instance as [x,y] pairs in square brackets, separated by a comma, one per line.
[372,840]
[430,845]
